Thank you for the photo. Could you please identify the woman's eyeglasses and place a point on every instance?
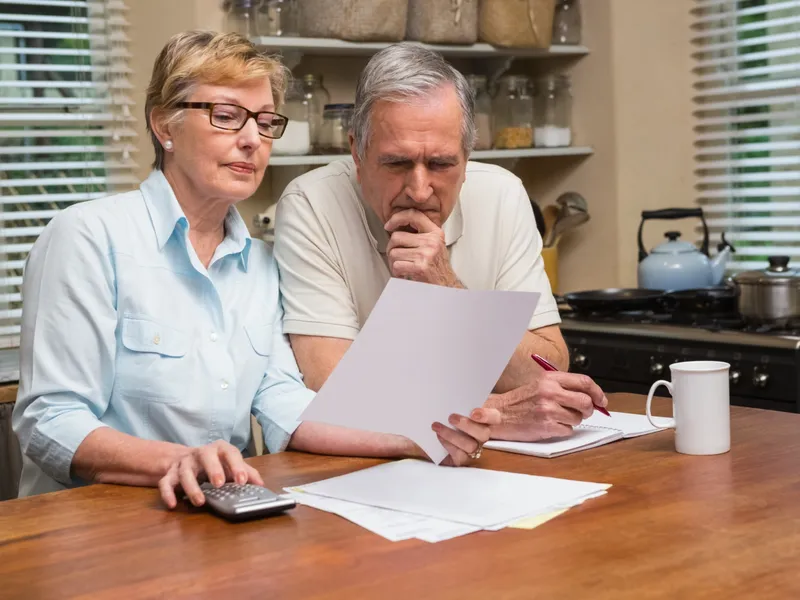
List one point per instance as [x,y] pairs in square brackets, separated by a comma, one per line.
[233,117]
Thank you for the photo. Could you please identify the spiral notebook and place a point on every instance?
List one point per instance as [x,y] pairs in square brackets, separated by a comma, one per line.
[595,431]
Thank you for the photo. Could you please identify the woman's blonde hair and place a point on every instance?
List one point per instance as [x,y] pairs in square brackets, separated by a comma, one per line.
[205,57]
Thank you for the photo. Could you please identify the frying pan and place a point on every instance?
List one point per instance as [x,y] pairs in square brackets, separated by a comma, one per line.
[612,300]
[709,300]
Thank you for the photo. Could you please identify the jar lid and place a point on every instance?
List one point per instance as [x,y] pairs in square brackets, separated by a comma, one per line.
[778,273]
[335,107]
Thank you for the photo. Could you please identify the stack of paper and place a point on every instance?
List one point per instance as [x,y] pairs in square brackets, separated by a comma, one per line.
[416,499]
[594,431]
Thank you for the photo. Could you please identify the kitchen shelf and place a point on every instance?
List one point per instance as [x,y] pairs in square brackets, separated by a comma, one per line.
[325,46]
[531,153]
[324,159]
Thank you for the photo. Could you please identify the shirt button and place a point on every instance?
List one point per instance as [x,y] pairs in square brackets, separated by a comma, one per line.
[213,337]
[157,339]
[224,385]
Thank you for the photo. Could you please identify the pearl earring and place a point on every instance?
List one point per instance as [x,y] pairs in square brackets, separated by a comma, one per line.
[168,144]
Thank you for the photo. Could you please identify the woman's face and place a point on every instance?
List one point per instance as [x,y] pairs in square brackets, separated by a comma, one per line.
[222,164]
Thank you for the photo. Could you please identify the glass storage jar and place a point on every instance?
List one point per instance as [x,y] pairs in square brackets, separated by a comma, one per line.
[316,97]
[240,17]
[512,112]
[276,17]
[296,140]
[553,112]
[483,112]
[567,23]
[335,129]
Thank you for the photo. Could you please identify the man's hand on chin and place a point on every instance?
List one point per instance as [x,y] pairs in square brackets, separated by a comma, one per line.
[417,249]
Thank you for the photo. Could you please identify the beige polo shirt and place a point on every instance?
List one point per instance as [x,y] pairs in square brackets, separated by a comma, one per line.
[330,247]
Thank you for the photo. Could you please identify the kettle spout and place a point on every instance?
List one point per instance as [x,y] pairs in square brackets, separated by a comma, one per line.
[720,261]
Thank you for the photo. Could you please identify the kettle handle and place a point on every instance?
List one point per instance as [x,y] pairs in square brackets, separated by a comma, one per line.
[670,214]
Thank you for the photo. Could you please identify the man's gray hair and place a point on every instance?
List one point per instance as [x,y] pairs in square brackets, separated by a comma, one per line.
[404,71]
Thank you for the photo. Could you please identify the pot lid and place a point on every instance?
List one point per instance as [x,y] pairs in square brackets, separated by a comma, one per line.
[778,273]
[674,246]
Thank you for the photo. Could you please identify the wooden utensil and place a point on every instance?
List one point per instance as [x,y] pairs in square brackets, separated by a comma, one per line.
[550,214]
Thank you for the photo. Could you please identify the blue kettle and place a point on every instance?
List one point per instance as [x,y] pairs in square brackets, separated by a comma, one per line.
[676,265]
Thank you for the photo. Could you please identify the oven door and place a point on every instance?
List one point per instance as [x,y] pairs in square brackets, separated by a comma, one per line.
[620,363]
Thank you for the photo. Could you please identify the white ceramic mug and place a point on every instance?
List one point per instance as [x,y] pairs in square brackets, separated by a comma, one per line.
[701,406]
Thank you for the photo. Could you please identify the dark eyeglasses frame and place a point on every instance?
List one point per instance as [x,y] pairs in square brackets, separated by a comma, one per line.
[209,106]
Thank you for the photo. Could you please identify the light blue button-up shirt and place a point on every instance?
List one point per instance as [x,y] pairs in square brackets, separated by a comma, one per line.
[122,326]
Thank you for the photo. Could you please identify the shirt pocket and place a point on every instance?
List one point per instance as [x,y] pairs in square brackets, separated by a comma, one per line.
[256,356]
[152,362]
[260,337]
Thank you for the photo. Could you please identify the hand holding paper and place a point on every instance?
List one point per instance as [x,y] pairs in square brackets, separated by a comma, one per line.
[466,438]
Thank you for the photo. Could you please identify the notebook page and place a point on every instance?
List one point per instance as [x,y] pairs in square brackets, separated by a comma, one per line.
[582,438]
[630,425]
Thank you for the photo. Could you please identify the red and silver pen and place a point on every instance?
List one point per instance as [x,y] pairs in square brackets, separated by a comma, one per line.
[545,364]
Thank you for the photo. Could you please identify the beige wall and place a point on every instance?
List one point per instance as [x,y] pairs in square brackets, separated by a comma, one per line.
[587,256]
[652,114]
[152,24]
[632,103]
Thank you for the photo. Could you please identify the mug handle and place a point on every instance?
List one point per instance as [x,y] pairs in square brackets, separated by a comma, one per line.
[650,394]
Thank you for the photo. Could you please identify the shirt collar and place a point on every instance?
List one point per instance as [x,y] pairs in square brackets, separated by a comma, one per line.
[166,214]
[453,227]
[237,237]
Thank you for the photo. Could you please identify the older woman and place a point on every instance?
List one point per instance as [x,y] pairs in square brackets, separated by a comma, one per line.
[151,320]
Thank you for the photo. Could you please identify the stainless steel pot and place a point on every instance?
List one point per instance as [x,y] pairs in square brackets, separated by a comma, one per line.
[770,296]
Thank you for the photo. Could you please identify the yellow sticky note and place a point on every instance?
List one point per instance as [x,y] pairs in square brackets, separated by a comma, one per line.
[534,522]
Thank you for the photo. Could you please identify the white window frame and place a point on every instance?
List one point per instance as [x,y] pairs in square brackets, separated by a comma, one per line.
[747,140]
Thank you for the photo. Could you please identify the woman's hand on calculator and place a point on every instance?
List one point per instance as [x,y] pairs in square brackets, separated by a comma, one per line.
[216,463]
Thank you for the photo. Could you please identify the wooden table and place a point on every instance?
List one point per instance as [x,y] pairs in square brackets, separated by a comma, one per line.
[8,393]
[671,526]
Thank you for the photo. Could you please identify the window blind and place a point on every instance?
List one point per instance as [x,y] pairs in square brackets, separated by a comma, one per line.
[747,134]
[66,128]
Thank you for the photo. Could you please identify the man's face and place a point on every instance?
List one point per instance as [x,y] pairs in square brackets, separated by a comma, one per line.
[414,158]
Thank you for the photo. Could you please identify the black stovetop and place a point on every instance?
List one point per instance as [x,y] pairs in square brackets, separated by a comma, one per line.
[706,321]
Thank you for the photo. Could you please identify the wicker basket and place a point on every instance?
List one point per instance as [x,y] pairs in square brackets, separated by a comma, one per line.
[517,23]
[356,20]
[443,21]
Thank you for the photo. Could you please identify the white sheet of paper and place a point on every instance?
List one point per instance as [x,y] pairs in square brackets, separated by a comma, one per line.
[545,511]
[630,425]
[393,525]
[466,495]
[425,352]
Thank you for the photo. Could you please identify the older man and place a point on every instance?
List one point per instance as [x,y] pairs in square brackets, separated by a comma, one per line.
[411,205]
